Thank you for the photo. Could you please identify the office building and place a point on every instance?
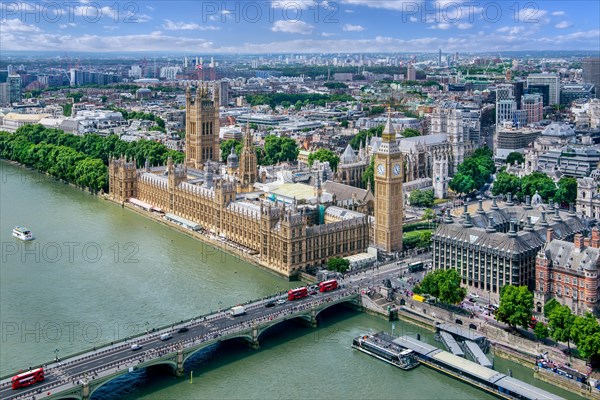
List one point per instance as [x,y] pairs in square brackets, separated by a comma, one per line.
[542,90]
[14,88]
[553,82]
[498,246]
[533,105]
[411,72]
[574,91]
[591,73]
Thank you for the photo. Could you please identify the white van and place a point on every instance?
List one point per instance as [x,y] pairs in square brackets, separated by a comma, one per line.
[166,336]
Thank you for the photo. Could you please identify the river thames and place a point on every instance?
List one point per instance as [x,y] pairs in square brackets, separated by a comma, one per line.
[97,272]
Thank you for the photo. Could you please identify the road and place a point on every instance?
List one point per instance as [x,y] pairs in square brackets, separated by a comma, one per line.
[69,372]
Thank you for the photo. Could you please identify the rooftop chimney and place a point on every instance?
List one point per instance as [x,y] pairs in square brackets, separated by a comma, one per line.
[528,225]
[527,202]
[512,232]
[572,212]
[490,226]
[579,244]
[465,208]
[595,242]
[480,207]
[549,233]
[543,221]
[467,222]
[556,213]
[448,217]
[494,204]
[509,201]
[550,204]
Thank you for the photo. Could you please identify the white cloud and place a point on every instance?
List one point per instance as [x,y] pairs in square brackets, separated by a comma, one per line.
[353,28]
[532,16]
[327,34]
[69,25]
[349,11]
[15,25]
[414,19]
[464,25]
[292,5]
[558,13]
[397,5]
[291,26]
[110,27]
[442,26]
[562,25]
[187,26]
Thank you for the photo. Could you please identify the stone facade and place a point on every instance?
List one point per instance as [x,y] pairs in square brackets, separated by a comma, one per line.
[286,238]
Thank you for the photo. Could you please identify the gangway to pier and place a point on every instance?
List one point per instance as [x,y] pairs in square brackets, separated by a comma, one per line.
[477,354]
[451,344]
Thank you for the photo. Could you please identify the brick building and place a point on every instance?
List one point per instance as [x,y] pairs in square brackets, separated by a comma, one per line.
[568,272]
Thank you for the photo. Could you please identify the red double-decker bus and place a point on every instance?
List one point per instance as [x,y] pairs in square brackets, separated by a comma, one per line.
[27,378]
[295,294]
[328,285]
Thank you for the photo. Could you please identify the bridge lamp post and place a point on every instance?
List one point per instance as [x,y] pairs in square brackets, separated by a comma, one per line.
[56,355]
[220,305]
[147,324]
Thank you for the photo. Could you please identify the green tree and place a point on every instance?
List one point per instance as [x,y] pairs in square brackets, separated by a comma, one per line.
[67,109]
[278,149]
[428,214]
[424,240]
[421,198]
[506,183]
[560,323]
[515,156]
[324,155]
[367,134]
[443,284]
[369,176]
[462,184]
[516,304]
[585,333]
[410,132]
[344,123]
[538,182]
[541,331]
[338,264]
[226,146]
[550,306]
[567,191]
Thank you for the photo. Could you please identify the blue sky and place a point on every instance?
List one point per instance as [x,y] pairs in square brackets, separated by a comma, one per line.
[293,26]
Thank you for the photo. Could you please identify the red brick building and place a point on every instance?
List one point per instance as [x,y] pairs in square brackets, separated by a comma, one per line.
[568,272]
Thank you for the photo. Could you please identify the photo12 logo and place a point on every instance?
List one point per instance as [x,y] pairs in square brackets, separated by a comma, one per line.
[68,11]
[68,252]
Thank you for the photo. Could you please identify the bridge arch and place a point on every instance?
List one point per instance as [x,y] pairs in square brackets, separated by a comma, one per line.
[94,387]
[245,336]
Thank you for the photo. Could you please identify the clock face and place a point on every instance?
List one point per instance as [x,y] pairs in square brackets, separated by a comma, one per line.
[381,169]
[396,169]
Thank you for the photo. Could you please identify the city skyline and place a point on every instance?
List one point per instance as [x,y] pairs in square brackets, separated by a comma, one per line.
[299,26]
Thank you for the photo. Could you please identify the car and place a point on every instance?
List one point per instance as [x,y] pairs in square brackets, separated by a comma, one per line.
[281,301]
[474,295]
[312,292]
[182,329]
[472,300]
[270,304]
[135,347]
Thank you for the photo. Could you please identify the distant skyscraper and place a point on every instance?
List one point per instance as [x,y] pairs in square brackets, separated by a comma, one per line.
[553,82]
[14,88]
[411,72]
[440,57]
[4,93]
[9,69]
[505,103]
[223,93]
[185,62]
[591,73]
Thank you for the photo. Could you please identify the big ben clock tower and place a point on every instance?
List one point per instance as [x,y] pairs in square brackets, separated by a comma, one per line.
[389,199]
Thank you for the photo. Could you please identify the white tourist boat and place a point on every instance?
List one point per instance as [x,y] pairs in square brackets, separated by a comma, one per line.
[22,233]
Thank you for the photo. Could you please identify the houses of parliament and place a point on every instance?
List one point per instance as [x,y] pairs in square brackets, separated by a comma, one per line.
[286,237]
